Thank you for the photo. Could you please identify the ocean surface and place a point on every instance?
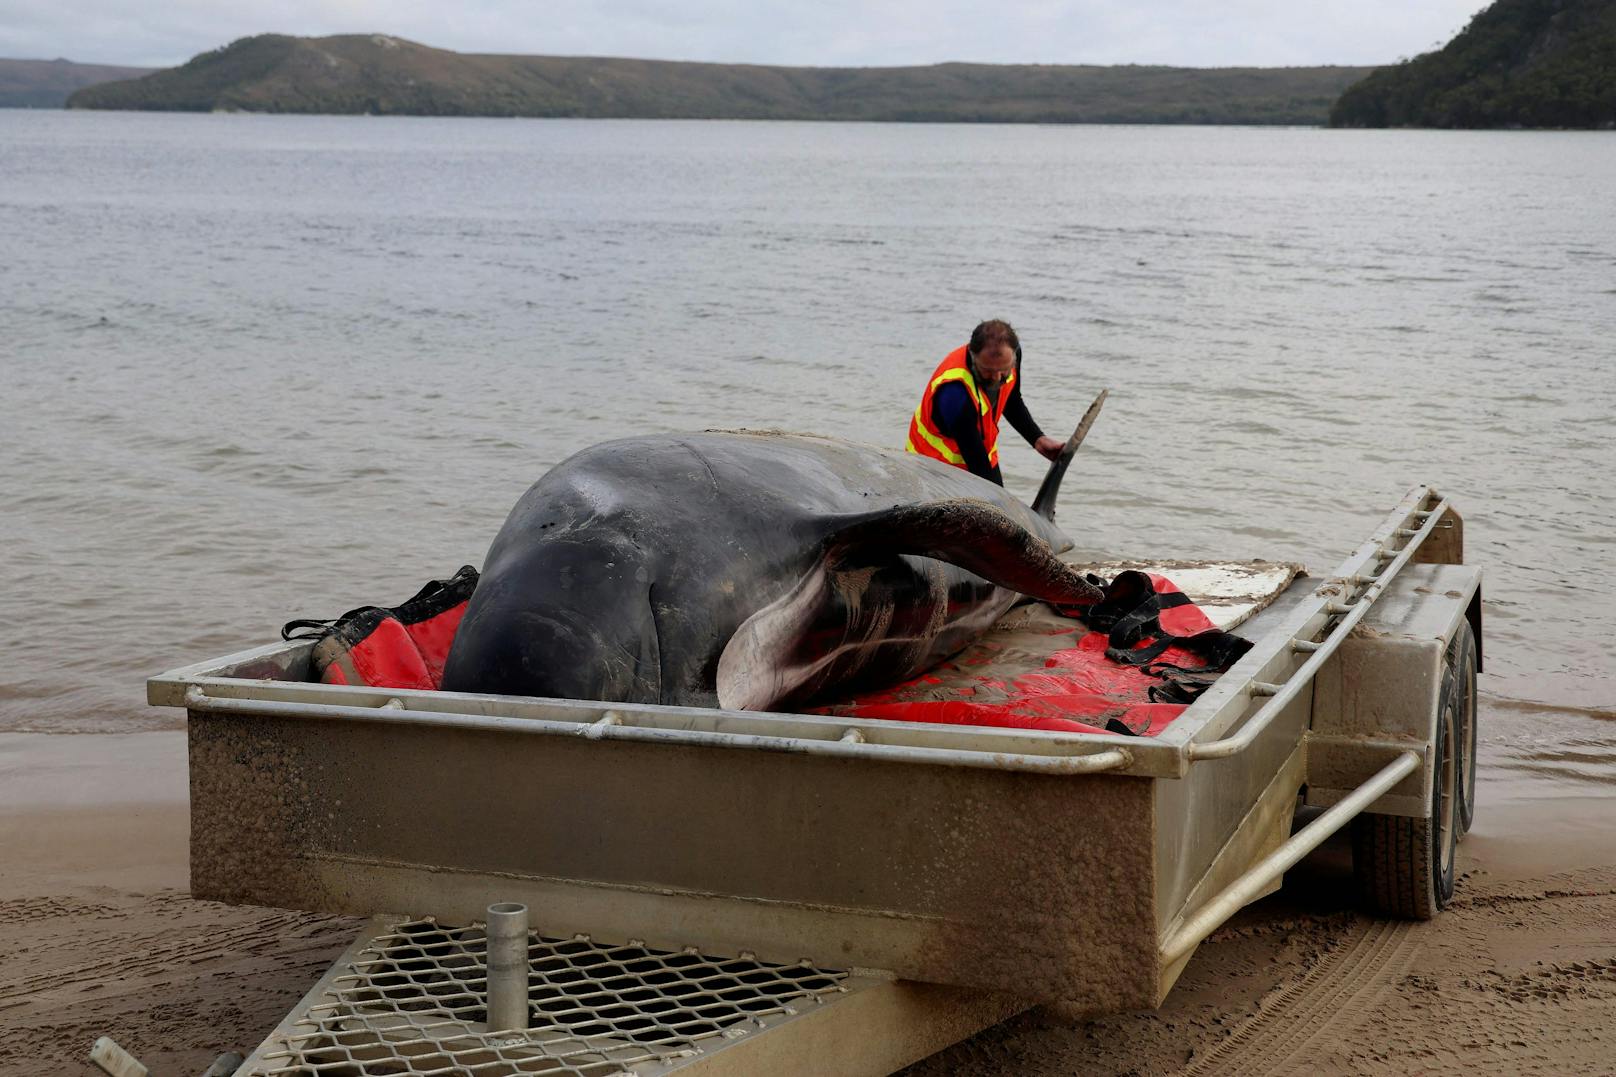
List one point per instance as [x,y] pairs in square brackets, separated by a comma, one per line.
[259,367]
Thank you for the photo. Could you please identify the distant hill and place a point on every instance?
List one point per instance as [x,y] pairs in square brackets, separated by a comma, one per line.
[386,75]
[1520,63]
[47,83]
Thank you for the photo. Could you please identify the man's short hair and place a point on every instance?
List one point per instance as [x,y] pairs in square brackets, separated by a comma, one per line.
[991,334]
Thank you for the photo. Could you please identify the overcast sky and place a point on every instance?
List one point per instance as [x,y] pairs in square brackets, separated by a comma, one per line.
[1195,33]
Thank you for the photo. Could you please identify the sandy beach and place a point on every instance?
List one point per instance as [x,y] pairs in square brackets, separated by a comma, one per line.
[1517,976]
[99,936]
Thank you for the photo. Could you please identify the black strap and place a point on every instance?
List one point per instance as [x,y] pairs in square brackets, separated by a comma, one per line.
[1139,656]
[310,628]
[1130,615]
[432,599]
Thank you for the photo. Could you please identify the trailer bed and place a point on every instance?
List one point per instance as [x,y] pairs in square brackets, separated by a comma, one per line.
[1001,862]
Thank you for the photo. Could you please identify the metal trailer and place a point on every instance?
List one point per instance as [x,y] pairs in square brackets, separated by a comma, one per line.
[735,892]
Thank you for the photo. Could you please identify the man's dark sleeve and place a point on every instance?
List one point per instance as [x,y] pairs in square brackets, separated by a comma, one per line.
[1015,410]
[955,415]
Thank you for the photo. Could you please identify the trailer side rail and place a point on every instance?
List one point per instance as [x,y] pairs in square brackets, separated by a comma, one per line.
[612,726]
[1273,672]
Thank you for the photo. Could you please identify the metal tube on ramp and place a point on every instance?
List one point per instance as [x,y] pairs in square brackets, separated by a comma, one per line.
[507,967]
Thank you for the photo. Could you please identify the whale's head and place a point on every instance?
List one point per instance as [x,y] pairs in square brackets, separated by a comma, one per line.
[573,620]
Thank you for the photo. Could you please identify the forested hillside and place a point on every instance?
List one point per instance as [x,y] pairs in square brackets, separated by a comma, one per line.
[1520,63]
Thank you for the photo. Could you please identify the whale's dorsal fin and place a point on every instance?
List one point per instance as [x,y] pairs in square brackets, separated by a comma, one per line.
[1044,503]
[975,535]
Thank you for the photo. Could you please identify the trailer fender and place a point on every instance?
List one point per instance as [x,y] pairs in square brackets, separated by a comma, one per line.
[1379,693]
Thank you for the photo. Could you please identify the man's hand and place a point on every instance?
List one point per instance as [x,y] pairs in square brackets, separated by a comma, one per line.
[1049,447]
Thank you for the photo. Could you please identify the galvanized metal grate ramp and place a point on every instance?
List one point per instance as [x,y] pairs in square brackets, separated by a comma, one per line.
[410,998]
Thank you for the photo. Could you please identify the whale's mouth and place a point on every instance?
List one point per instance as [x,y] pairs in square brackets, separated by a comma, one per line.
[653,675]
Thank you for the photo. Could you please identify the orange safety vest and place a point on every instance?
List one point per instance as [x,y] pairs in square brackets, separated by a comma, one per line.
[926,439]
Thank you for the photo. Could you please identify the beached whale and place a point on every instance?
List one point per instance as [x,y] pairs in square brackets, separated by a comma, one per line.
[749,571]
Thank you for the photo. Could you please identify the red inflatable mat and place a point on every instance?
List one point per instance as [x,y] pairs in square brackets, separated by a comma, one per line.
[402,646]
[1129,664]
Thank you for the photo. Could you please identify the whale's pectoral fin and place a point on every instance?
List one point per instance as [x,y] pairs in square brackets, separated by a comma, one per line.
[975,535]
[758,666]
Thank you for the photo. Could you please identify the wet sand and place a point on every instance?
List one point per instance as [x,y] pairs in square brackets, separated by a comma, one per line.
[98,936]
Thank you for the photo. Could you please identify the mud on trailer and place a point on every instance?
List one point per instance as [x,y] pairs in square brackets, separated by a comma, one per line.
[721,891]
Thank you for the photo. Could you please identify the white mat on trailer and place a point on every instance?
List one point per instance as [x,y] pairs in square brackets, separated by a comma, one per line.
[1229,592]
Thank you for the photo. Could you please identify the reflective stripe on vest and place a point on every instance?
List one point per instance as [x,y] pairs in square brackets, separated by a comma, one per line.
[927,439]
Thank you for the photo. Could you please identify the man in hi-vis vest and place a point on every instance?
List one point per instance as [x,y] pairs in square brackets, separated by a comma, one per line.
[957,421]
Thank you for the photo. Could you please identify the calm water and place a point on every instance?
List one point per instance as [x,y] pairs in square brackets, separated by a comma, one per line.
[254,368]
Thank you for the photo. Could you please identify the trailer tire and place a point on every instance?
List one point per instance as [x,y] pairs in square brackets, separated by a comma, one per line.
[1461,659]
[1405,867]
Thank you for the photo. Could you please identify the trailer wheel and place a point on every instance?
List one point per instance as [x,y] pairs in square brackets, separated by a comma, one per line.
[1461,659]
[1405,867]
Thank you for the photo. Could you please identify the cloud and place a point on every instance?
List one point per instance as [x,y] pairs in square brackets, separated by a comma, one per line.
[829,33]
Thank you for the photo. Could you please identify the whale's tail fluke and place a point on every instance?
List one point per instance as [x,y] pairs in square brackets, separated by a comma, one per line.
[1044,503]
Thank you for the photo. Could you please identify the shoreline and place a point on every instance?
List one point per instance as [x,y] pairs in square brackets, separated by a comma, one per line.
[98,935]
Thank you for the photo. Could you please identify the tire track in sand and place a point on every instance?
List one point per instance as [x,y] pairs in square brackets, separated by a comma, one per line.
[1326,1002]
[155,954]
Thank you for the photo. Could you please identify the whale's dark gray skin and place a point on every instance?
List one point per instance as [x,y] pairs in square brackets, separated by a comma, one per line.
[748,571]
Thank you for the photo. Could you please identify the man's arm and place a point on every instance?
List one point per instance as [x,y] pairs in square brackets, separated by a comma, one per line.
[1015,410]
[956,416]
